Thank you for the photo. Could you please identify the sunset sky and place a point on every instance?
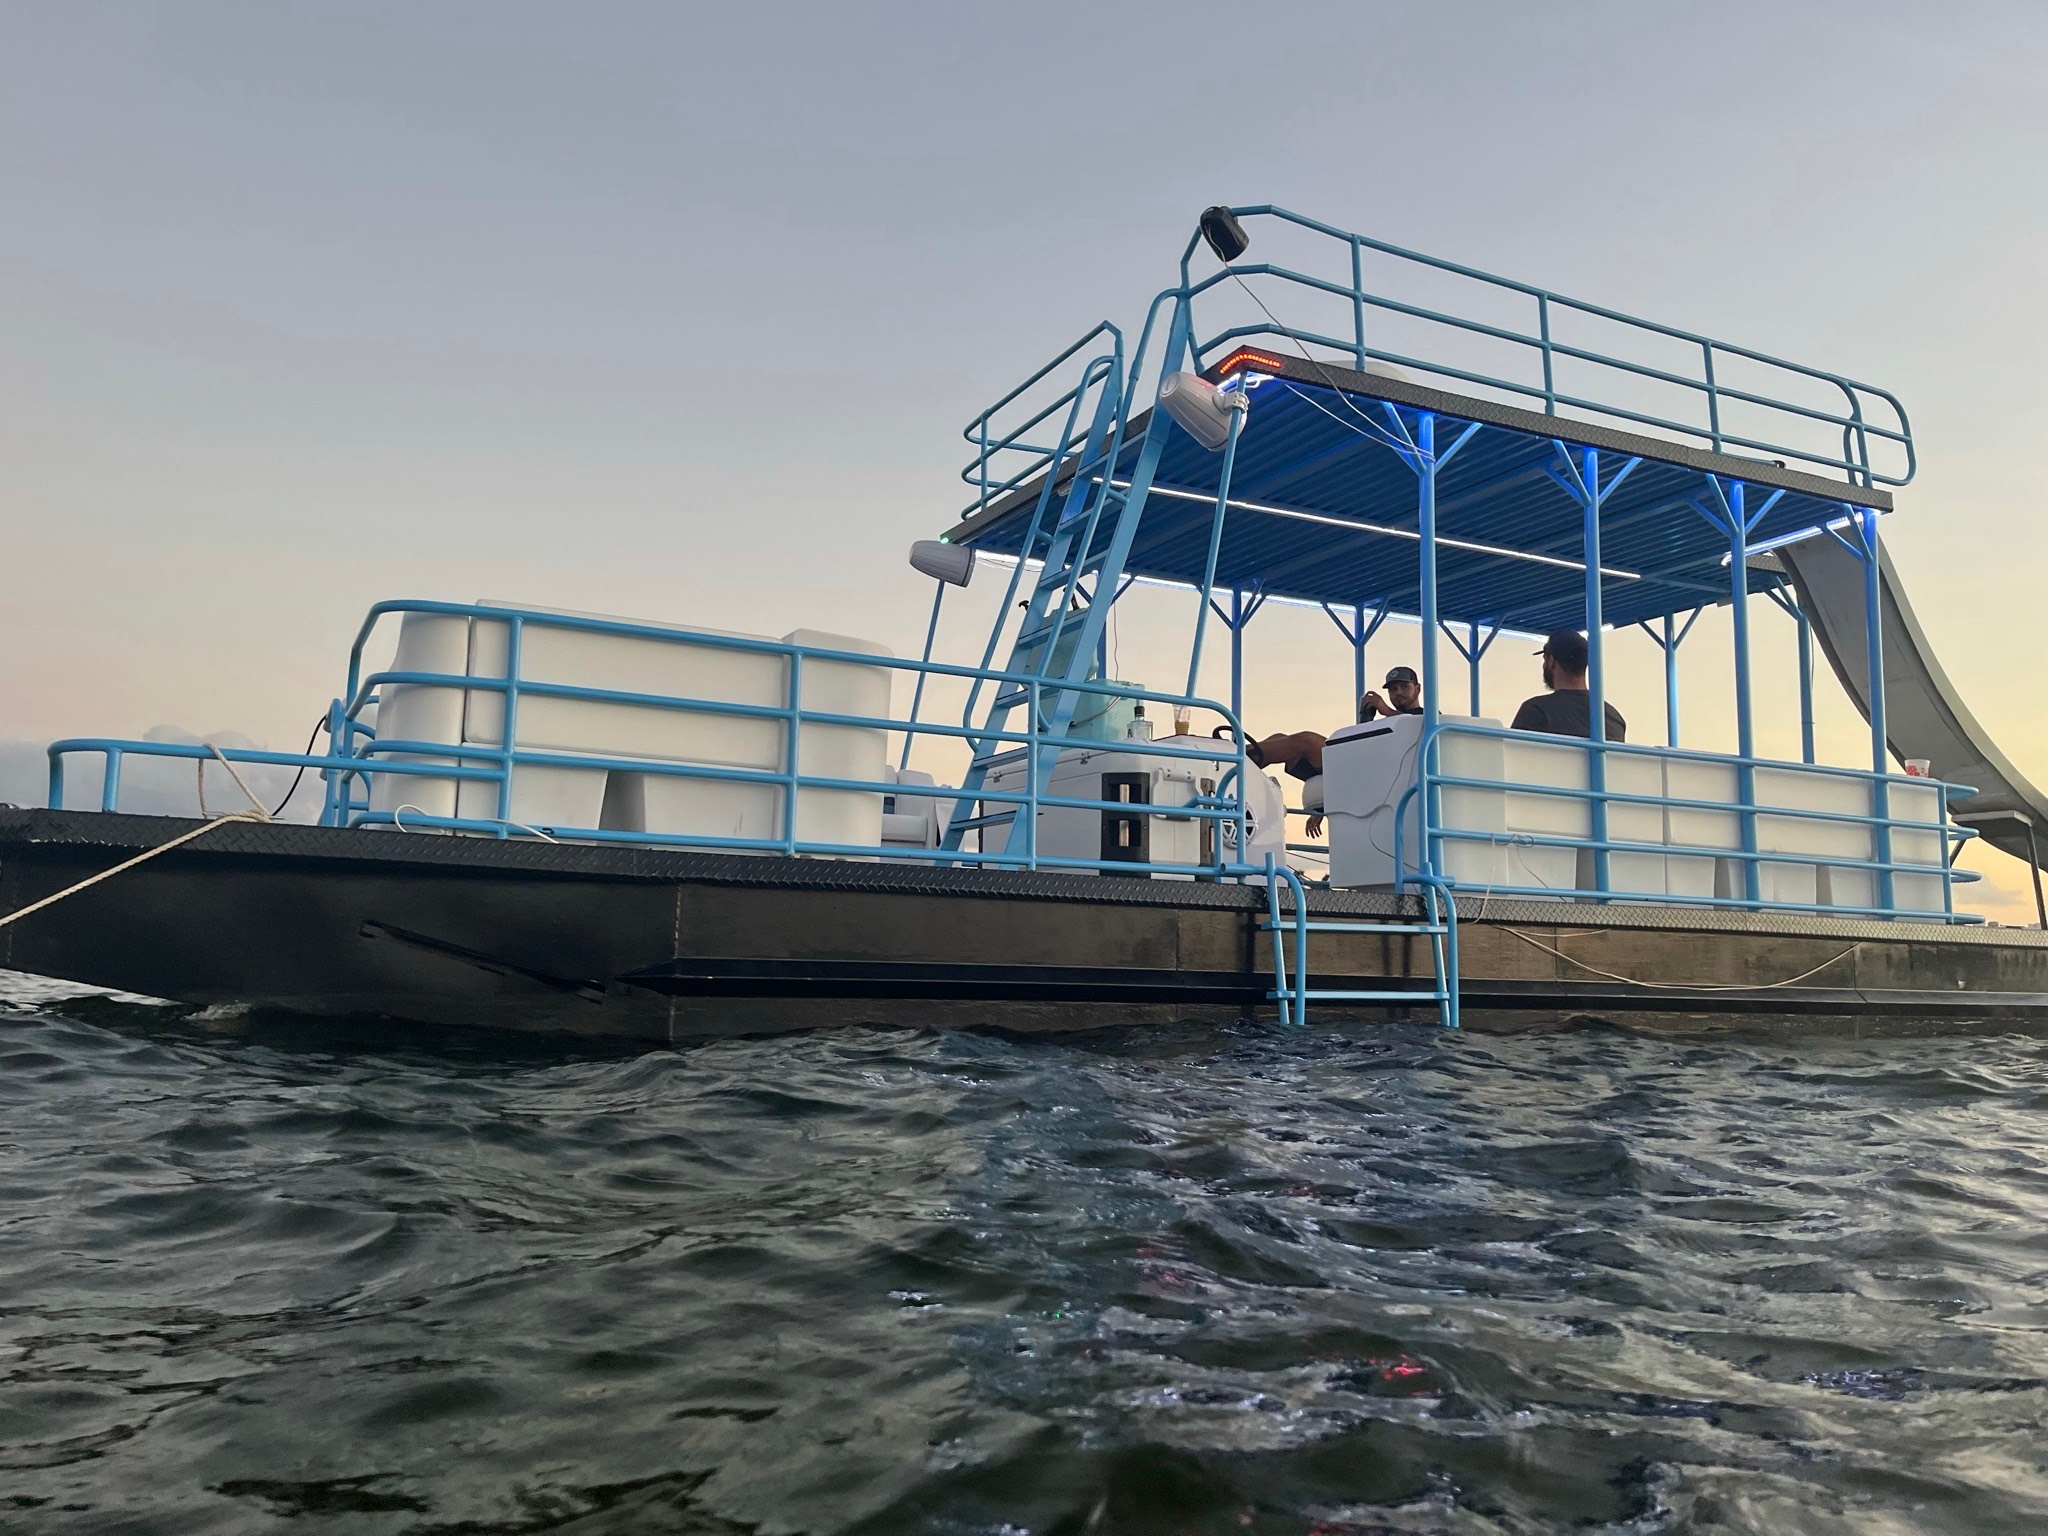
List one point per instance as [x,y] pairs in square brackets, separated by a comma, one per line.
[677,312]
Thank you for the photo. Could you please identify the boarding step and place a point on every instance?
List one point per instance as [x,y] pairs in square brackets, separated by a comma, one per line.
[1334,995]
[1328,925]
[992,819]
[1002,759]
[1036,636]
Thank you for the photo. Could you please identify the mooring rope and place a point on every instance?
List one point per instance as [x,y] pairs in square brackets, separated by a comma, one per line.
[258,815]
[1515,842]
[1679,986]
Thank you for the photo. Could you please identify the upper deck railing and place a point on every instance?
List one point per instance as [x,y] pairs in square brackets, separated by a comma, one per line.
[1743,401]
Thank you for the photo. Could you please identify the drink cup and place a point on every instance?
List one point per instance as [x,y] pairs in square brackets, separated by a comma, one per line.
[1918,767]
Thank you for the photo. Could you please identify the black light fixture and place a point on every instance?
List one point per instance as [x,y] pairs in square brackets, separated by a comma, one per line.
[1225,235]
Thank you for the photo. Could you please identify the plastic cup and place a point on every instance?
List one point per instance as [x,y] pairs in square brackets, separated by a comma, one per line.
[1182,720]
[1918,767]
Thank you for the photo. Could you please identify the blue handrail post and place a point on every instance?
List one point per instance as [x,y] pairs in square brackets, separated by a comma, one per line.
[1358,302]
[331,778]
[1425,520]
[110,784]
[1029,812]
[1880,742]
[1596,669]
[1745,730]
[515,627]
[56,791]
[794,716]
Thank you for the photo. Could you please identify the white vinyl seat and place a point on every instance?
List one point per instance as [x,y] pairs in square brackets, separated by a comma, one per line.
[618,797]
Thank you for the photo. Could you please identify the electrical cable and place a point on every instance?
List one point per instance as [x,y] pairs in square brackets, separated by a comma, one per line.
[306,751]
[1375,429]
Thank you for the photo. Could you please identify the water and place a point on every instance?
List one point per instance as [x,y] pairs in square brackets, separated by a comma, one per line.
[1229,1280]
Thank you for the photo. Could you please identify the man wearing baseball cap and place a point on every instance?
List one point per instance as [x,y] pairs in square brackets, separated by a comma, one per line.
[1403,696]
[1567,709]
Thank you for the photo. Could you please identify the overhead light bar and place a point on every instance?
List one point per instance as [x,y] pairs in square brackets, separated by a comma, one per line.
[1249,357]
[1358,525]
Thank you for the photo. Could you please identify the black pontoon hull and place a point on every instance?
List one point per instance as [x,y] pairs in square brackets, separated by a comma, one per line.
[663,946]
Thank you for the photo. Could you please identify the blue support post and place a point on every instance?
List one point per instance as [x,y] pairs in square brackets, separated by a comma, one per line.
[1425,522]
[515,633]
[1798,615]
[1240,614]
[1805,683]
[1880,742]
[1596,669]
[1360,634]
[1474,650]
[1671,679]
[1477,650]
[1237,623]
[1669,641]
[1745,730]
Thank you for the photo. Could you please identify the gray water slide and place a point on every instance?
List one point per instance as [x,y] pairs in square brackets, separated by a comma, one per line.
[1923,714]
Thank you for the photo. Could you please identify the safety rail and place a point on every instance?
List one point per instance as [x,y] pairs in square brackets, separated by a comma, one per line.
[350,772]
[1867,413]
[1432,780]
[1105,369]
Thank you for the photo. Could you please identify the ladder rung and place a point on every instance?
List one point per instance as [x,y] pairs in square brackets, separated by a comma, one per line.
[1315,996]
[1285,926]
[1033,636]
[1002,759]
[1009,698]
[992,819]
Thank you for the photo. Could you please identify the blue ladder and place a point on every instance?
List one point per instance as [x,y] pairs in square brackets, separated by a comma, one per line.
[1063,625]
[1294,995]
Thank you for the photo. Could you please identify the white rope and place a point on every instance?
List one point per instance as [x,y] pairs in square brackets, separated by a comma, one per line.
[1516,841]
[141,858]
[1680,986]
[247,794]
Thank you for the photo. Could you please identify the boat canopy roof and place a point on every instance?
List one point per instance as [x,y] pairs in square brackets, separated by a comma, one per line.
[1324,507]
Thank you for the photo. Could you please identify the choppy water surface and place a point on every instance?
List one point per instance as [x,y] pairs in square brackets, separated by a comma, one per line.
[1214,1280]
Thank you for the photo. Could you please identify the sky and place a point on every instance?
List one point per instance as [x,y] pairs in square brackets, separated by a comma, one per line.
[677,312]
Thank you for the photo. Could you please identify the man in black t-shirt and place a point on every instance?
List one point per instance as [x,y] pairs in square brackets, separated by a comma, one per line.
[1567,709]
[1403,696]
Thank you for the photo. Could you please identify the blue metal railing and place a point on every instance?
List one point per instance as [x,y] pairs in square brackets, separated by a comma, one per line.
[1867,414]
[363,755]
[1427,791]
[1020,458]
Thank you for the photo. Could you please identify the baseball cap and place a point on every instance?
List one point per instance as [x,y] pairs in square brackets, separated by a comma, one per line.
[1566,647]
[1400,675]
